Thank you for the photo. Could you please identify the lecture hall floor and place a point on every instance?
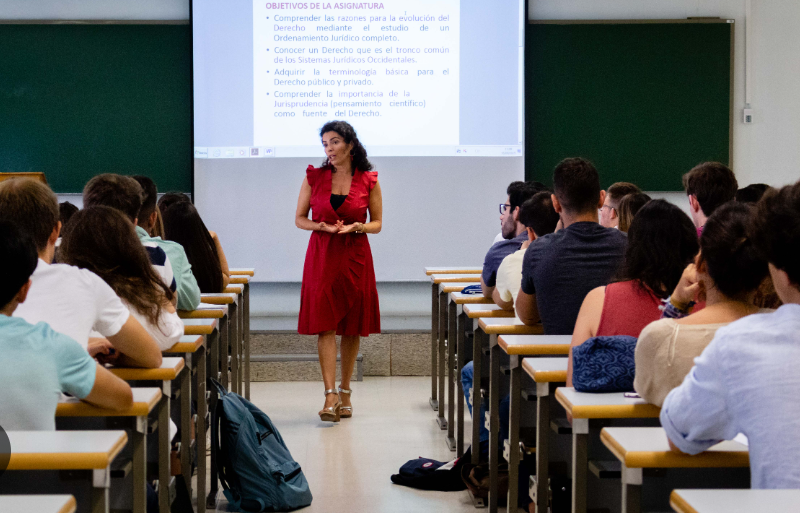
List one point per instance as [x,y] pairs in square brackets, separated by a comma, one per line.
[349,465]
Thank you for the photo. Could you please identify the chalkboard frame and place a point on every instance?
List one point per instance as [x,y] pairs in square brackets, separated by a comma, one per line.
[692,20]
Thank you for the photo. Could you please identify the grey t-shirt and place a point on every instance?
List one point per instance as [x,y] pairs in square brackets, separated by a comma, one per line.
[562,267]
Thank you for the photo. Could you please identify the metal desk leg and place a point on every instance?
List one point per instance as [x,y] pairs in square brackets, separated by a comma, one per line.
[477,400]
[185,384]
[224,348]
[513,432]
[138,438]
[234,346]
[542,446]
[580,463]
[212,342]
[240,342]
[246,299]
[442,357]
[461,320]
[434,400]
[101,480]
[200,427]
[164,449]
[451,364]
[631,490]
[494,421]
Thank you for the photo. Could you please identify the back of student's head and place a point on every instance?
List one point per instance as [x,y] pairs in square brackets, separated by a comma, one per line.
[169,199]
[628,206]
[712,183]
[182,224]
[521,194]
[752,193]
[18,260]
[577,185]
[149,197]
[115,191]
[662,241]
[538,214]
[32,207]
[619,190]
[775,228]
[65,211]
[102,240]
[732,258]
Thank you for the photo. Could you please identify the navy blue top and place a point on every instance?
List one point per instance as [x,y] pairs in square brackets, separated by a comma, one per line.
[496,254]
[562,267]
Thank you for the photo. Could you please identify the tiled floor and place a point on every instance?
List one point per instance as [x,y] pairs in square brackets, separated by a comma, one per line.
[348,465]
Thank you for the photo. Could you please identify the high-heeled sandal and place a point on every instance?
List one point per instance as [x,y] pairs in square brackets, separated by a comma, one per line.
[331,413]
[346,411]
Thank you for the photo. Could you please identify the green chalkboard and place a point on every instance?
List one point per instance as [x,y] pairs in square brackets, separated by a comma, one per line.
[644,101]
[77,100]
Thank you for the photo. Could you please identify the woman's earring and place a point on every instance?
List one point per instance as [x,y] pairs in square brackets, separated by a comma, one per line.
[352,154]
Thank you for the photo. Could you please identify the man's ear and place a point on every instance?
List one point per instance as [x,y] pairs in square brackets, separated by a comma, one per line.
[531,234]
[556,204]
[693,203]
[55,234]
[22,295]
[515,214]
[602,200]
[151,221]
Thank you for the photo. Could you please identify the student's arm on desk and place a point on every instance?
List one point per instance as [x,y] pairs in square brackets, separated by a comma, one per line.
[526,308]
[505,305]
[586,324]
[487,290]
[137,347]
[109,391]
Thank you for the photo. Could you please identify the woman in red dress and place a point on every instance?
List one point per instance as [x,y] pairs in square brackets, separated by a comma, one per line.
[338,295]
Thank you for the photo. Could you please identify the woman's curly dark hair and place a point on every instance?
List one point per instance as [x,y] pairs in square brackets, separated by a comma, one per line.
[348,133]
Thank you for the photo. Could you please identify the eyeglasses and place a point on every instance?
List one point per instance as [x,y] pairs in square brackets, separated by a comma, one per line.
[504,207]
[606,206]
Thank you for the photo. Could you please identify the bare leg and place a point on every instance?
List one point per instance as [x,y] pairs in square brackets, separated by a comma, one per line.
[326,346]
[350,346]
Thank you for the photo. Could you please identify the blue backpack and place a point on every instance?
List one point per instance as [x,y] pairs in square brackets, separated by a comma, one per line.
[604,364]
[255,467]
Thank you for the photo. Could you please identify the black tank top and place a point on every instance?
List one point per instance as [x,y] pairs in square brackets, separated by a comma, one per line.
[337,200]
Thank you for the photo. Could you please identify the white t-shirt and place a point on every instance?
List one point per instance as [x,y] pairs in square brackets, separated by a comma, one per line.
[168,331]
[509,276]
[73,302]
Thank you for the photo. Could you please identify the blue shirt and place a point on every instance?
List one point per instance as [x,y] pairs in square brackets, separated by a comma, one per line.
[746,381]
[38,365]
[562,267]
[496,254]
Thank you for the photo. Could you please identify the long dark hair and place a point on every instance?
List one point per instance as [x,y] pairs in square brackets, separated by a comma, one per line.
[182,224]
[662,241]
[348,133]
[103,240]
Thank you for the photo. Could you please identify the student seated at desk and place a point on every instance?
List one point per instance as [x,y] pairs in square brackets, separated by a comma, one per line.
[629,206]
[539,218]
[609,212]
[102,240]
[747,379]
[38,363]
[561,268]
[72,301]
[729,270]
[709,186]
[662,241]
[513,232]
[147,221]
[182,224]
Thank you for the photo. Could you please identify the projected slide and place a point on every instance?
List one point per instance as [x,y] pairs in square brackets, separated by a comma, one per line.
[415,77]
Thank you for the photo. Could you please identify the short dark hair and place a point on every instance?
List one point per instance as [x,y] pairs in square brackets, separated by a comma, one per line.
[169,199]
[619,190]
[31,206]
[752,193]
[538,214]
[149,197]
[712,183]
[732,257]
[115,191]
[18,258]
[65,211]
[628,206]
[662,241]
[520,195]
[577,185]
[775,229]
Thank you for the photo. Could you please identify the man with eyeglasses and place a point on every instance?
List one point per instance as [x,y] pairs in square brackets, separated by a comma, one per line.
[514,232]
[609,217]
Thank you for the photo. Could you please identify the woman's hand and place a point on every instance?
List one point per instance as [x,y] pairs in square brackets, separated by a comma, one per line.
[687,288]
[325,227]
[348,228]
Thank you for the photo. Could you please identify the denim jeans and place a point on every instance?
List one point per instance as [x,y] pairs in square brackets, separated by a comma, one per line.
[467,378]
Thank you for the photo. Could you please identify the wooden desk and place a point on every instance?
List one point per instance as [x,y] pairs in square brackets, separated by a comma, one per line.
[735,501]
[169,371]
[88,454]
[590,413]
[453,270]
[231,347]
[247,271]
[640,448]
[38,503]
[547,373]
[244,281]
[134,422]
[199,326]
[484,310]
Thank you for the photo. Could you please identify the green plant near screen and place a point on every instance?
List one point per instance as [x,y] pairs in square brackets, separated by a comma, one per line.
[644,101]
[77,100]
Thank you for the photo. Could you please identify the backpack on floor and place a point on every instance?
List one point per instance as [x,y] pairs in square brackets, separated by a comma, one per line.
[428,474]
[255,467]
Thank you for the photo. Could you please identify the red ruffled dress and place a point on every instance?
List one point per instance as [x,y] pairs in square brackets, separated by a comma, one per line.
[338,290]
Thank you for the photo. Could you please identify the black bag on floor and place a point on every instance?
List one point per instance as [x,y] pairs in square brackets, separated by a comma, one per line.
[428,474]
